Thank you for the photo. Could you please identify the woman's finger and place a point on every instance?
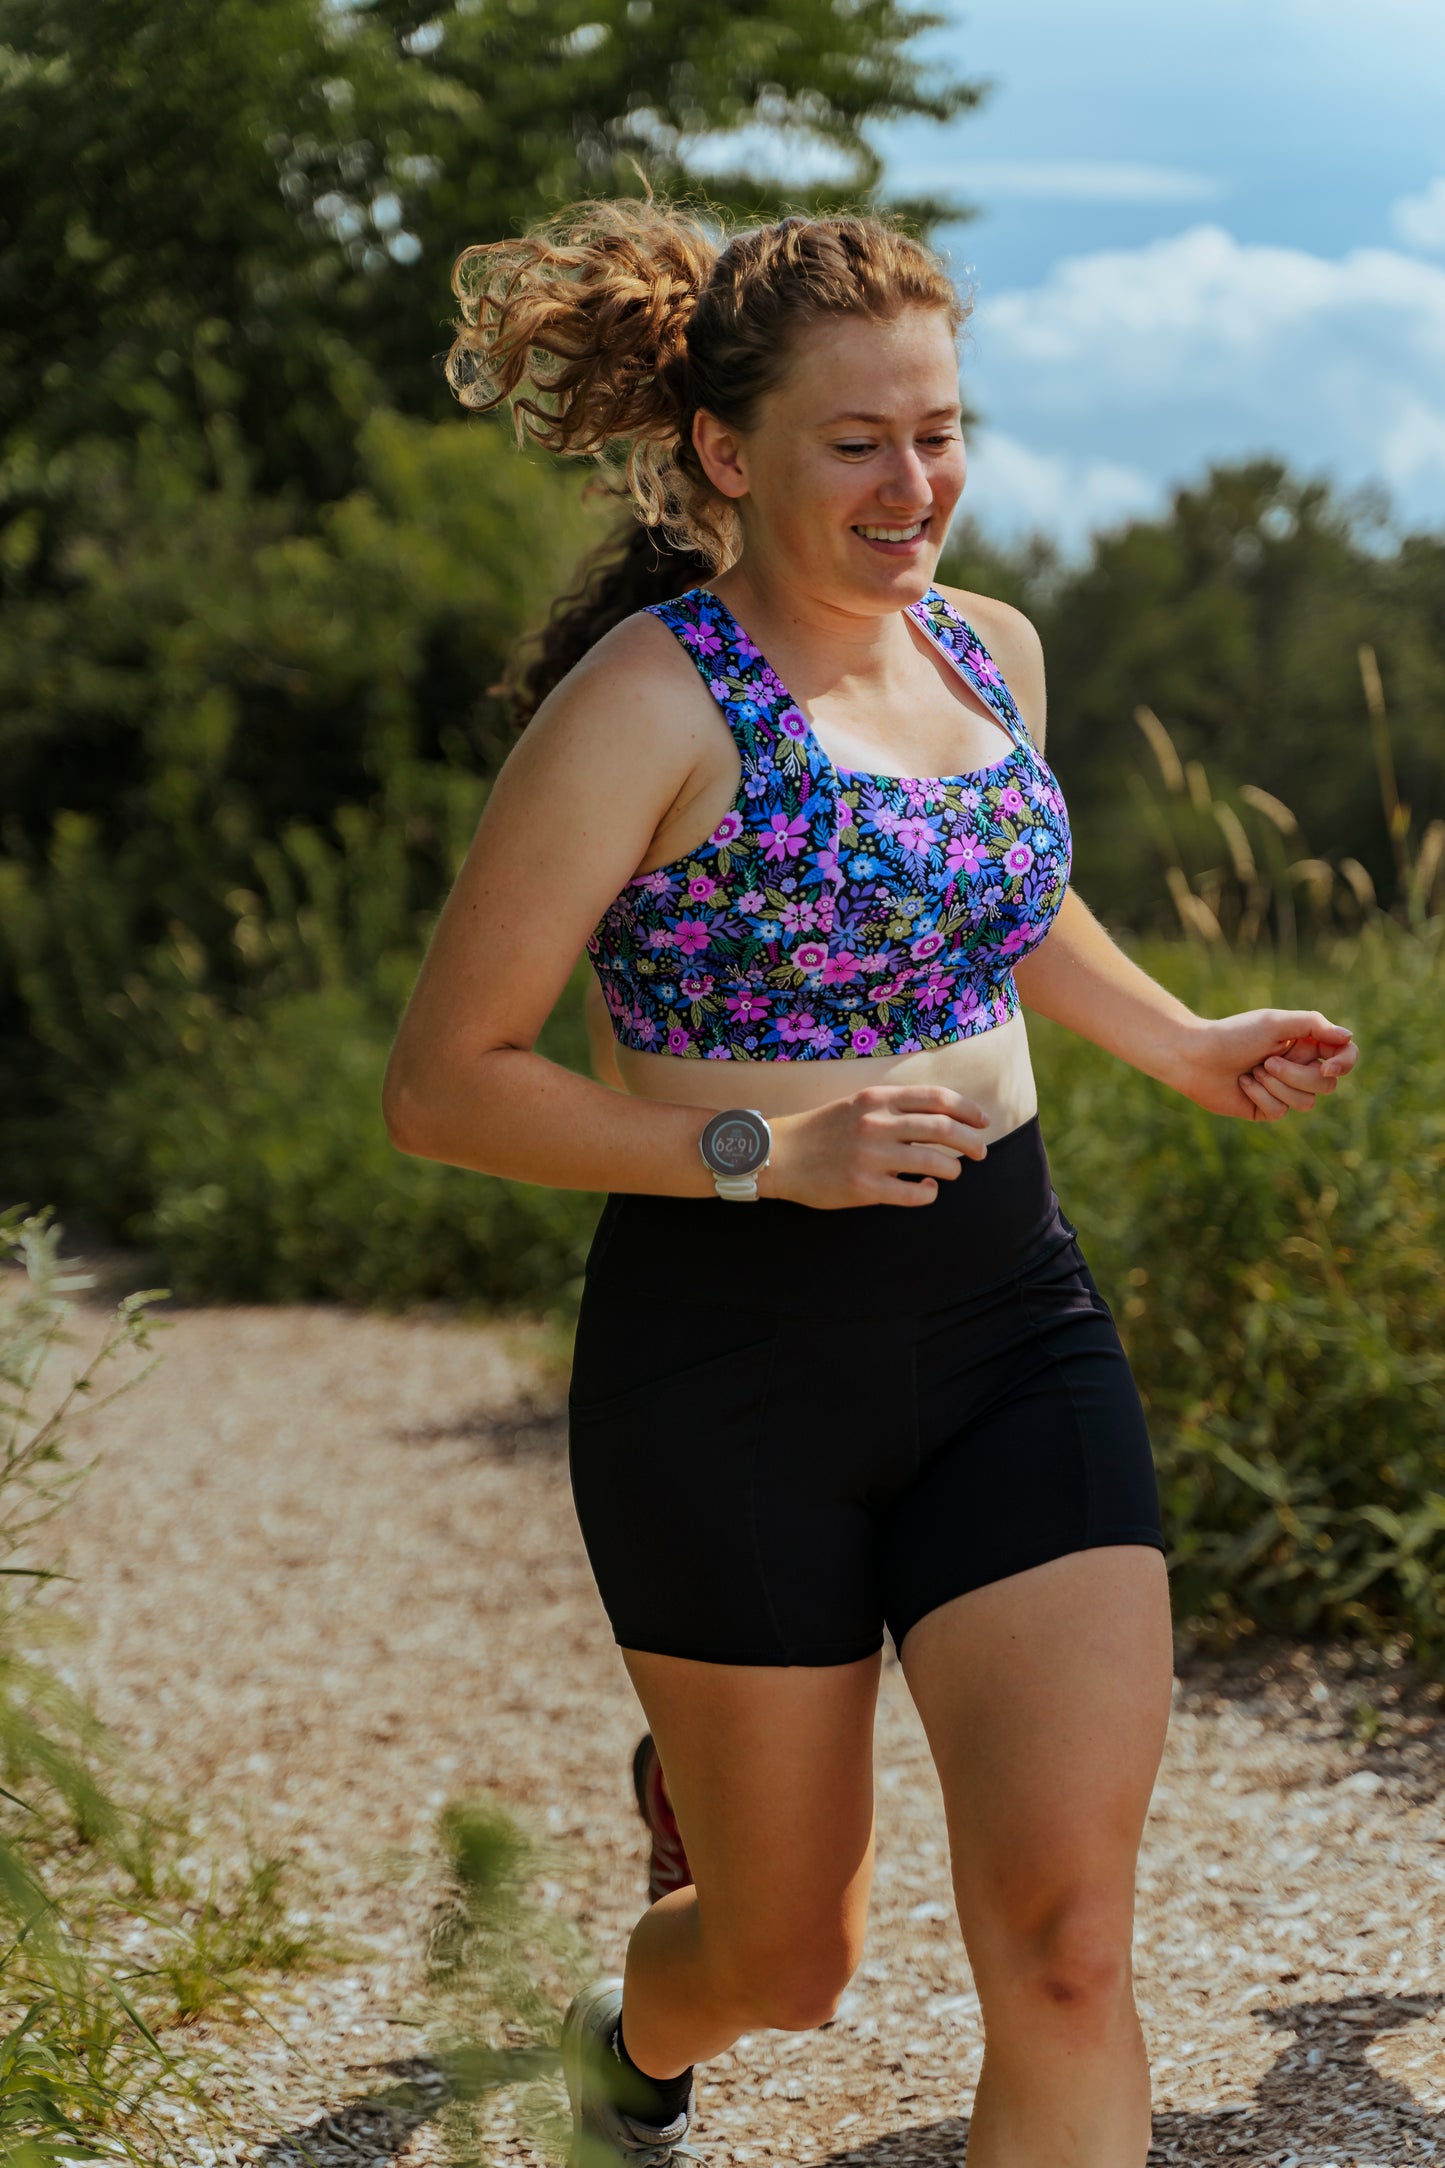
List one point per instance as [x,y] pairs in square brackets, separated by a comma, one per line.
[1305,1076]
[1293,1099]
[1266,1106]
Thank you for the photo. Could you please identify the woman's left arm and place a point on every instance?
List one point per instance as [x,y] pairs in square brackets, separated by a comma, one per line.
[1078,976]
[1244,1065]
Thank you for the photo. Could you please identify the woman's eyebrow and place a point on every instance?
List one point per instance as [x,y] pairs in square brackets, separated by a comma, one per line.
[932,415]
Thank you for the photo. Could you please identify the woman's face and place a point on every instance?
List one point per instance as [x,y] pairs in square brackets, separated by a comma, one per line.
[862,435]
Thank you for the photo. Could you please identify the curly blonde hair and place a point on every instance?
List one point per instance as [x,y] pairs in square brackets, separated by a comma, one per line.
[626,317]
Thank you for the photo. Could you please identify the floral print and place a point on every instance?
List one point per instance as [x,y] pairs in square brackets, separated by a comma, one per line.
[833,914]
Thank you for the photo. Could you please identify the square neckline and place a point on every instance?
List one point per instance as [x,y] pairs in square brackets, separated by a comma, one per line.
[872,775]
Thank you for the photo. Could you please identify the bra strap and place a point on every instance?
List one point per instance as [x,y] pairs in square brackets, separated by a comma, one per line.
[949,629]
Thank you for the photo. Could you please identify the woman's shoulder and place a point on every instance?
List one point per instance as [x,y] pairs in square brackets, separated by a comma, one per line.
[1005,630]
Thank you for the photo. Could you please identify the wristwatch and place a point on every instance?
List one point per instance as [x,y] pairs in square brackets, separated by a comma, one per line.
[736,1146]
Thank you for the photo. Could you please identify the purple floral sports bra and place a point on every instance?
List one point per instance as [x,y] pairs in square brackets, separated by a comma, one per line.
[833,914]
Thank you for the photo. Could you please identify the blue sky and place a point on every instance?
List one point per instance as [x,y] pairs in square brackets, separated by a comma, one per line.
[1209,228]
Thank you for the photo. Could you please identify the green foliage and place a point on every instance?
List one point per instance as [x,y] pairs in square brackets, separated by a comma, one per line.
[252,206]
[504,1960]
[270,1177]
[1280,1292]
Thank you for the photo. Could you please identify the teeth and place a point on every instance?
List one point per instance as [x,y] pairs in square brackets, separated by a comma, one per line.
[891,534]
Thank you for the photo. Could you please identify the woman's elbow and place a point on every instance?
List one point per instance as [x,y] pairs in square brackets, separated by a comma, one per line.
[404,1116]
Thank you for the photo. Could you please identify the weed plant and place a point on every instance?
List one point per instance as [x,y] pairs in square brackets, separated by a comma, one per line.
[114,1939]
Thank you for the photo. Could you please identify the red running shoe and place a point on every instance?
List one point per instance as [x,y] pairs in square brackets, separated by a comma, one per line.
[668,1869]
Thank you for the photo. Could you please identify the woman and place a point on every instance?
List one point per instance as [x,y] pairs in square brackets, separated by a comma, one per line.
[849,1369]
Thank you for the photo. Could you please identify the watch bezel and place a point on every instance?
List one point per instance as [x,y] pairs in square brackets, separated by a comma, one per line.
[762,1137]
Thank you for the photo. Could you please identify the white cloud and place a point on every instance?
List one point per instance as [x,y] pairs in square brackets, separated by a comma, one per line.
[1419,221]
[1057,180]
[1013,492]
[1154,361]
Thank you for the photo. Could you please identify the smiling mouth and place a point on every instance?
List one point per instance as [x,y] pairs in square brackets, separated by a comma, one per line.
[892,534]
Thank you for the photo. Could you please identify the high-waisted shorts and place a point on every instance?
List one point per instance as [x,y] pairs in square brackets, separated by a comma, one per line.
[790,1427]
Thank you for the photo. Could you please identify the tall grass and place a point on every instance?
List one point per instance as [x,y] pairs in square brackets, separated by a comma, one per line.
[1280,1286]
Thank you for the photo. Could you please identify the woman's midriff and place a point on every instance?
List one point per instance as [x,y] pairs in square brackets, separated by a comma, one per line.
[992,1068]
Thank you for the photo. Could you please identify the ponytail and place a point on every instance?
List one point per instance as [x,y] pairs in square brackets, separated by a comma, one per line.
[622,575]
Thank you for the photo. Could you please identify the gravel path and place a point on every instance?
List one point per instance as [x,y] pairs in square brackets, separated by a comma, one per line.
[332,1579]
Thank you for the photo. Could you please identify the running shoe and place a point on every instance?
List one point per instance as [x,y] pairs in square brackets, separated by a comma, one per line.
[603,2134]
[668,1868]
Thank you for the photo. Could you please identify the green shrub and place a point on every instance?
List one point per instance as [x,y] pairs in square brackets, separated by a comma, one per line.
[1281,1292]
[270,1177]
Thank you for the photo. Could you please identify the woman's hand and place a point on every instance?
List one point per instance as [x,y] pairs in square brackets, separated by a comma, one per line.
[1265,1063]
[857,1150]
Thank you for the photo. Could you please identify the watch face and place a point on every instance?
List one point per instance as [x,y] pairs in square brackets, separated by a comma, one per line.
[735,1143]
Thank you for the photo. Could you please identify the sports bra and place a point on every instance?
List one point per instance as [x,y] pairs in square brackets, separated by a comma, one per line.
[834,914]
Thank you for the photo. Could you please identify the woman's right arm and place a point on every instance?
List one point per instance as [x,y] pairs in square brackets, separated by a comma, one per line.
[566,825]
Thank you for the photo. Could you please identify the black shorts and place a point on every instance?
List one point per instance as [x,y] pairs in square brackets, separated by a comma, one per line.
[789,1427]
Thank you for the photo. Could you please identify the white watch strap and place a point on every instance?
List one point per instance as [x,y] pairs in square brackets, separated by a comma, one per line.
[741,1188]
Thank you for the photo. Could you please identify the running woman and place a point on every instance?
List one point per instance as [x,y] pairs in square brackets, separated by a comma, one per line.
[840,1365]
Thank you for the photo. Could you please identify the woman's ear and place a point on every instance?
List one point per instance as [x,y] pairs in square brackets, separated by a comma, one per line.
[721,451]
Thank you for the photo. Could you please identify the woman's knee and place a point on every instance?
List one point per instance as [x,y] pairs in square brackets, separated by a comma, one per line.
[1073,1960]
[791,1986]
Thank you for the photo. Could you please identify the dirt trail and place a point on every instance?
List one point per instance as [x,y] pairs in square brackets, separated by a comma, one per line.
[331,1583]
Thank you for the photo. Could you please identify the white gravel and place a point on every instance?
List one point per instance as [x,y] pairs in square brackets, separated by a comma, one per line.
[331,1582]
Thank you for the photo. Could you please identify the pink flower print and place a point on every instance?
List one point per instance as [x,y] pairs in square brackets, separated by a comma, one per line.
[661,937]
[745,646]
[654,884]
[984,668]
[809,956]
[1018,857]
[964,855]
[798,916]
[969,797]
[783,838]
[1011,801]
[917,835]
[1019,937]
[703,638]
[693,935]
[644,1028]
[699,888]
[865,1038]
[752,902]
[792,724]
[793,1028]
[745,1008]
[720,690]
[926,945]
[966,1007]
[678,1040]
[729,826]
[936,990]
[696,983]
[840,967]
[824,1039]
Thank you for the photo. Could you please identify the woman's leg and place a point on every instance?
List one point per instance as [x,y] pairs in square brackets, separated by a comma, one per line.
[1045,1697]
[771,1773]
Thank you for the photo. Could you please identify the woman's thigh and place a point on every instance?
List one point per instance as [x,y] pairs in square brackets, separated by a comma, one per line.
[770,1770]
[1045,1696]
